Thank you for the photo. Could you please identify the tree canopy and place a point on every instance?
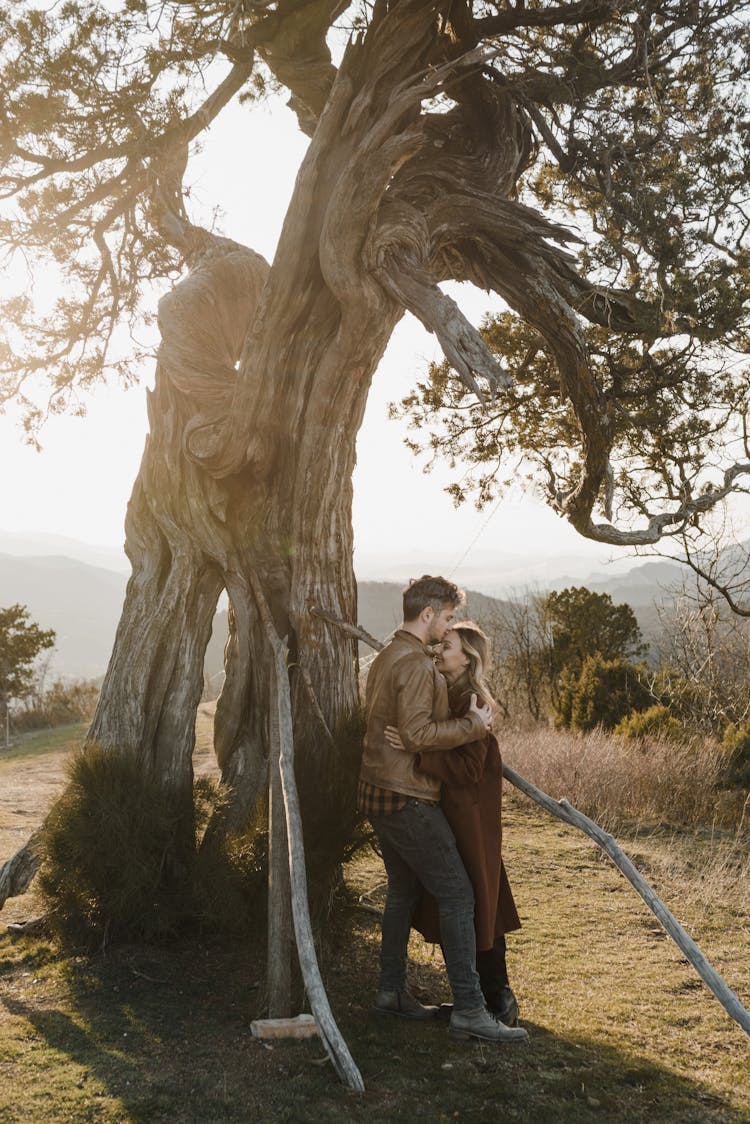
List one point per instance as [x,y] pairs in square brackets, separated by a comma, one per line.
[583,623]
[646,155]
[21,641]
[587,161]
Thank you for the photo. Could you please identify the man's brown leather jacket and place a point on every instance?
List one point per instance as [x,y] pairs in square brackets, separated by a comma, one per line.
[405,689]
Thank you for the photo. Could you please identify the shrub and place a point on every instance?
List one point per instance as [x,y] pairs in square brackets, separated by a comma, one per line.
[602,695]
[736,745]
[115,854]
[656,722]
[122,859]
[231,872]
[119,858]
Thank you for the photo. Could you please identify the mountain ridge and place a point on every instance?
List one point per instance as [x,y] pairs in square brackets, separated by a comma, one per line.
[83,602]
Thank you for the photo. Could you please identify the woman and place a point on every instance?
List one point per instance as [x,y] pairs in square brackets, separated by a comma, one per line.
[471,800]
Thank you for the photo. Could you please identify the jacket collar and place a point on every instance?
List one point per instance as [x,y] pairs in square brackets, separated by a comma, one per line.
[409,637]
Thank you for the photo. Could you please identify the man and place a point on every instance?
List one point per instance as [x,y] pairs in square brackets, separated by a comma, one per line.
[404,689]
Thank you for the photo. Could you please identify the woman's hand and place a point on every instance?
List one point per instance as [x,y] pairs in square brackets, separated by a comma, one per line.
[393,737]
[482,712]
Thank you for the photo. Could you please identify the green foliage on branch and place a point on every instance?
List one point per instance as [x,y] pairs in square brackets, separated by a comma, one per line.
[592,643]
[650,163]
[100,103]
[583,623]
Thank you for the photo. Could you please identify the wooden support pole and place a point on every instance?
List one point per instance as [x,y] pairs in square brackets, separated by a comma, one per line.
[331,1036]
[279,951]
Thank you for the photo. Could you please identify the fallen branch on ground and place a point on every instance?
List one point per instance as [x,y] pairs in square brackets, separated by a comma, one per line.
[17,873]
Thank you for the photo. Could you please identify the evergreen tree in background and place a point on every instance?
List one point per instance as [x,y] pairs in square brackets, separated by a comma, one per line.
[583,623]
[21,641]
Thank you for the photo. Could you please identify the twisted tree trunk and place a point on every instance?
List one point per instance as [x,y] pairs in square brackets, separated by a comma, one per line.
[262,380]
[247,473]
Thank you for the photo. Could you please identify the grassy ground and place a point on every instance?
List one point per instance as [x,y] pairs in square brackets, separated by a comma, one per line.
[44,742]
[621,1028]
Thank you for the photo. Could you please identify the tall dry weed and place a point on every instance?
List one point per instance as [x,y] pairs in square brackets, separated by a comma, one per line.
[642,788]
[616,781]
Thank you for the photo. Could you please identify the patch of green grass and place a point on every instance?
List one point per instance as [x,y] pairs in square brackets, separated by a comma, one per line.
[60,739]
[621,1029]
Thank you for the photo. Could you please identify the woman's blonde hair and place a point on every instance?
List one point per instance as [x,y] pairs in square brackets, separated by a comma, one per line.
[475,645]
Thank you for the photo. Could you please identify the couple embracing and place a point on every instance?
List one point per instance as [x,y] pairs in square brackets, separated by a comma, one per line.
[430,785]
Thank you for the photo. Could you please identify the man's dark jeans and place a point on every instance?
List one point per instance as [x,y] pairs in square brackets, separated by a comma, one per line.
[419,849]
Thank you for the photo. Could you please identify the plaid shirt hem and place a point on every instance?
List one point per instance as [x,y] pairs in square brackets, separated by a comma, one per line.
[375,801]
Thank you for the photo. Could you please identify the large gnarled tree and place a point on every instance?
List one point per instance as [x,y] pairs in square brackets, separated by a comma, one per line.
[453,141]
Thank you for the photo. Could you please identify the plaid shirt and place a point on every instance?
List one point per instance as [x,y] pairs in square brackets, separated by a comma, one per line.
[375,801]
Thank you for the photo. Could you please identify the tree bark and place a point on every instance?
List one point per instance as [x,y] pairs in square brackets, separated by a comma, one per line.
[246,476]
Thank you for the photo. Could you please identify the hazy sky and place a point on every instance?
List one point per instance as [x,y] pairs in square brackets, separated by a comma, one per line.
[79,485]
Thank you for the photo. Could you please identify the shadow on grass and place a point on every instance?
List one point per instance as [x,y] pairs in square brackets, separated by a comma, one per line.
[163,1035]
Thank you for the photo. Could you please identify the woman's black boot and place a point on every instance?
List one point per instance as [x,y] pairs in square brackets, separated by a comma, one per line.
[493,976]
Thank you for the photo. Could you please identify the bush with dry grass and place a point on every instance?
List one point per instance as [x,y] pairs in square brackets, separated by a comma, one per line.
[122,861]
[654,723]
[59,704]
[108,854]
[736,744]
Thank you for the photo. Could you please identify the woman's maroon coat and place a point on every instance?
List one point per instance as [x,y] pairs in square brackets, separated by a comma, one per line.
[472,783]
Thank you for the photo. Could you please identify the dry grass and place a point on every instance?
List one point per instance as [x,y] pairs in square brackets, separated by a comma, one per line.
[617,781]
[649,791]
[620,1027]
[706,868]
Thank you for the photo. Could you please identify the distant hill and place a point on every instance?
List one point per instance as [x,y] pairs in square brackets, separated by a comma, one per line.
[82,602]
[40,544]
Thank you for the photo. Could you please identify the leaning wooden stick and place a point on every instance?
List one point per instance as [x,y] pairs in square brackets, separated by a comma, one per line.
[564,811]
[279,945]
[336,1047]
